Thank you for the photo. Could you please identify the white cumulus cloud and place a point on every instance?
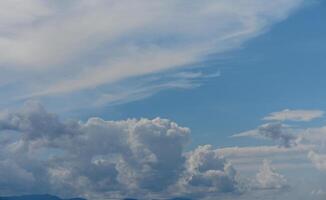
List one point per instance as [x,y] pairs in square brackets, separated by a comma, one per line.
[319,160]
[105,159]
[267,178]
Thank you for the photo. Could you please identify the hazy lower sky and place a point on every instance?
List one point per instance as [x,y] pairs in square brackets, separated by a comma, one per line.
[150,99]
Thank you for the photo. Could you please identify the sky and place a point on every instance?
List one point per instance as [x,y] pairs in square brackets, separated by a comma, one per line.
[161,99]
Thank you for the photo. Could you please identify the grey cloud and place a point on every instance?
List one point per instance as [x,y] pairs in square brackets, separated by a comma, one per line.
[106,159]
[14,177]
[35,122]
[280,133]
[208,172]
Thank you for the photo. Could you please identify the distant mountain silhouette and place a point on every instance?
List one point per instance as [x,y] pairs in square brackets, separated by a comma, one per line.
[177,198]
[180,198]
[51,197]
[37,197]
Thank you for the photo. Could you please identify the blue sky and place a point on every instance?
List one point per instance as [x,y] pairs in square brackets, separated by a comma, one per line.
[282,68]
[113,99]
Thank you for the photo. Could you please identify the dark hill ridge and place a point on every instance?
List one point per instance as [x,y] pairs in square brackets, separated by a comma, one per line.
[51,197]
[177,198]
[37,197]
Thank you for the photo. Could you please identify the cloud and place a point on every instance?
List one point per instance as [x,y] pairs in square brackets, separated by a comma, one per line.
[105,159]
[36,123]
[207,172]
[275,131]
[51,47]
[137,90]
[285,135]
[267,178]
[318,193]
[294,115]
[296,143]
[13,177]
[261,150]
[313,135]
[248,159]
[319,160]
[15,14]
[144,158]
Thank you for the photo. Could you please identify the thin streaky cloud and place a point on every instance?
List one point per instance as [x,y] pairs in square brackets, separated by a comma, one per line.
[294,115]
[65,48]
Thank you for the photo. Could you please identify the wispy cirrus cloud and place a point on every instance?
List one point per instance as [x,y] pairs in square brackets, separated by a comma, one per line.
[53,48]
[295,115]
[140,89]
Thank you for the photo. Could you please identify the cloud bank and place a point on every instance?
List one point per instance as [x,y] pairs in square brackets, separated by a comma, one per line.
[144,158]
[105,159]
